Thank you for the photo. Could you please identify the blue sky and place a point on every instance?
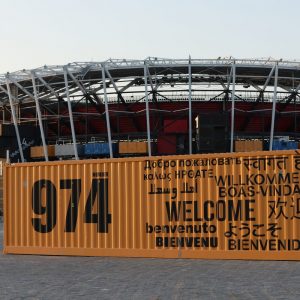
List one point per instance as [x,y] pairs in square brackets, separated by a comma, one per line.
[39,32]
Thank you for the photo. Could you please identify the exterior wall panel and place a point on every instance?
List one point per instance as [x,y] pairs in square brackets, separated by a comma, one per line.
[177,126]
[218,206]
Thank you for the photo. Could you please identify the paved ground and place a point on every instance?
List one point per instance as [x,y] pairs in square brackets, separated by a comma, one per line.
[42,277]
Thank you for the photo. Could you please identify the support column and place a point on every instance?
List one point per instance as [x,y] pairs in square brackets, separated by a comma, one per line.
[37,105]
[232,107]
[147,109]
[190,108]
[106,112]
[70,112]
[13,112]
[274,107]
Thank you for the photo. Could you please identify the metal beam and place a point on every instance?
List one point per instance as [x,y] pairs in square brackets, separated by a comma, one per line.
[254,85]
[151,84]
[260,96]
[286,88]
[97,99]
[6,92]
[269,78]
[70,112]
[190,107]
[297,88]
[13,112]
[107,112]
[22,88]
[133,119]
[131,83]
[223,85]
[265,84]
[229,79]
[59,98]
[213,98]
[115,86]
[147,109]
[274,107]
[293,94]
[232,106]
[48,87]
[112,80]
[85,92]
[80,86]
[30,95]
[37,105]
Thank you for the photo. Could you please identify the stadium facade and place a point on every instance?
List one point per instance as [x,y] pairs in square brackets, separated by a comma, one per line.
[175,106]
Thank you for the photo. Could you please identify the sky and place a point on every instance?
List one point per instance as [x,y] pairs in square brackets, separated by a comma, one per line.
[34,33]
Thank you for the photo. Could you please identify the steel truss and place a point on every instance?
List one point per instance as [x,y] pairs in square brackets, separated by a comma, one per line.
[51,94]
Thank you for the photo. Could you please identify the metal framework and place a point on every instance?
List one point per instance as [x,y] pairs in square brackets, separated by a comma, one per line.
[55,95]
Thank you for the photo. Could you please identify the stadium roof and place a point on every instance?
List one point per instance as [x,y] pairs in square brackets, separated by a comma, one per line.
[50,94]
[124,75]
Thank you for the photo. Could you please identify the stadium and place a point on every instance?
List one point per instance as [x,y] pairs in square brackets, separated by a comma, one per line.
[169,106]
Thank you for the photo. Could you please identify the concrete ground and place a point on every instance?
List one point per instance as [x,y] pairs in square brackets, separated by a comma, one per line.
[55,277]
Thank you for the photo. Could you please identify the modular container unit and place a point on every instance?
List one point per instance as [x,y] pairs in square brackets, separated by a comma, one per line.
[68,150]
[133,148]
[233,206]
[2,161]
[101,149]
[284,145]
[38,151]
[248,145]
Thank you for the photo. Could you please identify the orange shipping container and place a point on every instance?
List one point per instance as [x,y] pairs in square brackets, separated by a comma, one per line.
[218,206]
[248,145]
[2,161]
[133,148]
[38,151]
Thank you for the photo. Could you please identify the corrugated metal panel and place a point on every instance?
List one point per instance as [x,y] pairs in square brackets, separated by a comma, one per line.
[234,206]
[68,150]
[248,145]
[2,161]
[38,151]
[284,145]
[98,148]
[133,147]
